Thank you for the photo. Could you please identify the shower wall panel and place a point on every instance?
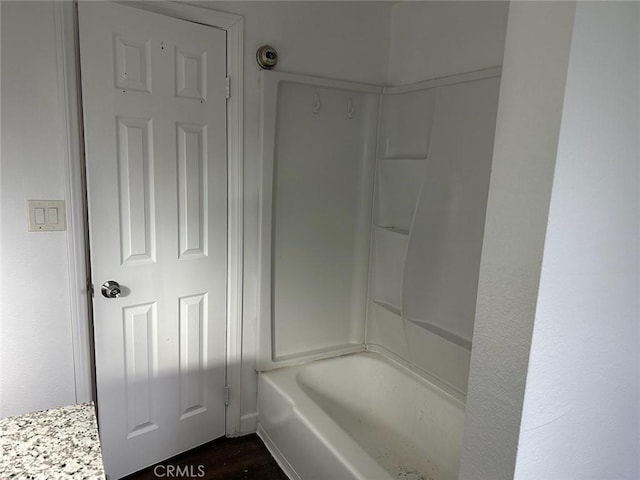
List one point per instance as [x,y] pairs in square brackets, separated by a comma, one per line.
[434,147]
[321,182]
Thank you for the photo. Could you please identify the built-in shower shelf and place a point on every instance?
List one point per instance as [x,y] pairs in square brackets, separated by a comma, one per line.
[441,332]
[388,307]
[398,230]
[404,158]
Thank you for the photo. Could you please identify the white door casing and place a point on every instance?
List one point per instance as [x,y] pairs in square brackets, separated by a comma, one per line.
[155,132]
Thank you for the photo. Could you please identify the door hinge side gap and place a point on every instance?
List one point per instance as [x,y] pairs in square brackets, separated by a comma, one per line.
[227,87]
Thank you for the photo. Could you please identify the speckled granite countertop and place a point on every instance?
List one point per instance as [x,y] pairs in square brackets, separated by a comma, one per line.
[61,443]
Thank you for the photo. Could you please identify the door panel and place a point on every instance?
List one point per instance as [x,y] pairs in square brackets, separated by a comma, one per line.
[155,133]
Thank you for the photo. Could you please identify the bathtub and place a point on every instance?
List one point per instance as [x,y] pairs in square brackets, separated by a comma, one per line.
[359,416]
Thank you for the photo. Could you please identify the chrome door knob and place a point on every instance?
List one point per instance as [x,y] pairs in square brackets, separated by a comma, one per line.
[111,289]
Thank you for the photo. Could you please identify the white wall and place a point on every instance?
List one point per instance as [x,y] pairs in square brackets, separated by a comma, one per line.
[436,39]
[343,40]
[36,353]
[581,417]
[529,112]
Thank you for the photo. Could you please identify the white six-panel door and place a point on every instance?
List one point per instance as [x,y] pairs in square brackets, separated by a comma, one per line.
[154,99]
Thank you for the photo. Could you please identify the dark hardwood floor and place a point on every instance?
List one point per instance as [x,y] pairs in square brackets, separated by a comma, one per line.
[223,459]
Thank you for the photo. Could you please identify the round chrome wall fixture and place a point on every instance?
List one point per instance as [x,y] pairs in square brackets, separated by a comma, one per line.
[267,57]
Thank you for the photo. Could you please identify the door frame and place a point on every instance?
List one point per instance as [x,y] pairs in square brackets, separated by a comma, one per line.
[72,139]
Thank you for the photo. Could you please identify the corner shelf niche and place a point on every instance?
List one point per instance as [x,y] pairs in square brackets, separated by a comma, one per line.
[399,181]
[441,332]
[405,125]
[396,230]
[389,308]
[434,160]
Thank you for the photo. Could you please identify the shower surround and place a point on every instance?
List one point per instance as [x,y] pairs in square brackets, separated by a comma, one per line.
[372,218]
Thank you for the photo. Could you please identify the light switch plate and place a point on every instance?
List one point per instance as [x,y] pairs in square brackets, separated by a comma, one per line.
[46,215]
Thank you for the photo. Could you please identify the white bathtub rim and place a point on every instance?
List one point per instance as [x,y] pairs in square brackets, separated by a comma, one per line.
[332,436]
[346,450]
